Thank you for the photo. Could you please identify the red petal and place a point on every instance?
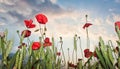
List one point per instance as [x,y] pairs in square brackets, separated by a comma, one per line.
[95,55]
[47,40]
[89,54]
[58,53]
[29,24]
[117,24]
[86,25]
[32,26]
[86,50]
[47,44]
[42,19]
[36,45]
[26,33]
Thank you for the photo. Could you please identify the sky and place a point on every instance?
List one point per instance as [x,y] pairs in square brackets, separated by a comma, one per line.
[65,19]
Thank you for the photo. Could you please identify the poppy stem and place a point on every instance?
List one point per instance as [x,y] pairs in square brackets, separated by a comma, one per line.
[73,56]
[81,48]
[68,55]
[88,41]
[63,53]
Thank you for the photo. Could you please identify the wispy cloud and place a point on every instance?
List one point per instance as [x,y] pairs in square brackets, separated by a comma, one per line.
[7,2]
[117,1]
[61,21]
[116,17]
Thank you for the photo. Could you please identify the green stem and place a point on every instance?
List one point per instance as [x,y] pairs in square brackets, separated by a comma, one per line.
[88,41]
[81,48]
[68,55]
[63,53]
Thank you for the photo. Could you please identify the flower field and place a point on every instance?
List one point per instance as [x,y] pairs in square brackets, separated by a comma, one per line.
[43,54]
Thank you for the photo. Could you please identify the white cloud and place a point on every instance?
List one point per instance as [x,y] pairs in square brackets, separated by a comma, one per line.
[97,21]
[53,1]
[1,24]
[58,26]
[116,17]
[2,10]
[117,1]
[8,2]
[111,9]
[109,20]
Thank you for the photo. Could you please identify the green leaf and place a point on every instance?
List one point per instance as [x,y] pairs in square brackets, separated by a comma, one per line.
[9,47]
[17,59]
[12,61]
[94,66]
[110,55]
[100,58]
[103,48]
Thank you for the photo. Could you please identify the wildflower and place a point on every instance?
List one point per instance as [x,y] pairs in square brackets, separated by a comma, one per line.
[47,42]
[87,53]
[2,34]
[23,44]
[58,53]
[42,19]
[86,25]
[36,45]
[26,33]
[29,23]
[86,50]
[95,54]
[117,24]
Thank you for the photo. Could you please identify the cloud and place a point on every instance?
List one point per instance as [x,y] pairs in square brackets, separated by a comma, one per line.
[111,9]
[71,23]
[116,17]
[14,11]
[1,24]
[53,1]
[7,2]
[117,1]
[61,22]
[2,10]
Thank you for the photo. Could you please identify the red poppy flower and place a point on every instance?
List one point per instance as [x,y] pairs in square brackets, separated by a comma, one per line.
[47,42]
[95,54]
[58,53]
[86,25]
[23,44]
[36,45]
[117,24]
[86,50]
[88,54]
[29,23]
[26,33]
[42,19]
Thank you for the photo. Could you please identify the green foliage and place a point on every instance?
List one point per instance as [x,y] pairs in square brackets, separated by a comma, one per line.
[46,58]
